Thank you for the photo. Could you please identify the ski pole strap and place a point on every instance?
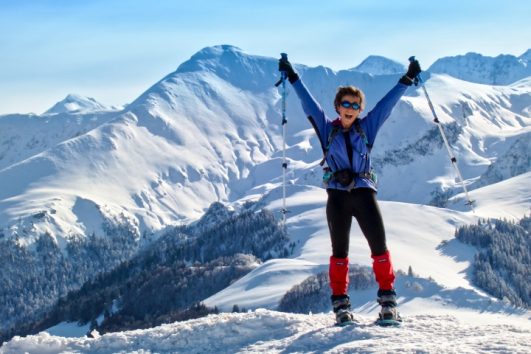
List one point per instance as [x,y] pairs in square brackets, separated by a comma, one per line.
[283,77]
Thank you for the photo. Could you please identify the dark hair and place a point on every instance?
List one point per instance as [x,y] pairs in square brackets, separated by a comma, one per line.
[343,91]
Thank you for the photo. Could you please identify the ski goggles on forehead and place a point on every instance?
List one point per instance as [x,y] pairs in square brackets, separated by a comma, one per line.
[354,105]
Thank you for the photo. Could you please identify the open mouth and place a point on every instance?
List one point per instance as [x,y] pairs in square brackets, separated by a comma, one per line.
[349,116]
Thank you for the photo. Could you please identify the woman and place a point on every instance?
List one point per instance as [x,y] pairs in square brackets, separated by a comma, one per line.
[351,185]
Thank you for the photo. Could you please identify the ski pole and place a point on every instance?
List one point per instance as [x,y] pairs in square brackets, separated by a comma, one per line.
[282,81]
[418,80]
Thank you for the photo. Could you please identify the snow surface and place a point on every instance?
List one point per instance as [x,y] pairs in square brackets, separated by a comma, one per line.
[265,331]
[418,236]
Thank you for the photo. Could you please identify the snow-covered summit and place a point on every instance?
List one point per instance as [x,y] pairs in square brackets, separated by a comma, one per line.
[230,63]
[73,103]
[474,67]
[214,54]
[378,65]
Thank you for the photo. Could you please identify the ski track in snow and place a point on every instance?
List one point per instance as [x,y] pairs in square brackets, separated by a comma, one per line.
[265,331]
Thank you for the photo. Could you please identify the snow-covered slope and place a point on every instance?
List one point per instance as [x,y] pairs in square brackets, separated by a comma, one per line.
[415,235]
[474,67]
[27,135]
[515,161]
[264,331]
[174,150]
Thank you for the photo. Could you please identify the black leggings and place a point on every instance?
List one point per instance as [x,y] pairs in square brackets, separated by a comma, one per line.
[359,203]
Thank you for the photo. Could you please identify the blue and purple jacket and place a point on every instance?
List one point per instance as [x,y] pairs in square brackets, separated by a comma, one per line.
[337,158]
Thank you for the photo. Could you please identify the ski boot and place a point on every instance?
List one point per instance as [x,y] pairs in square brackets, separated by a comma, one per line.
[341,306]
[388,315]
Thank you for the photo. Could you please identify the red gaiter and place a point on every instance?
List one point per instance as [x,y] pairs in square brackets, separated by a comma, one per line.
[383,271]
[338,275]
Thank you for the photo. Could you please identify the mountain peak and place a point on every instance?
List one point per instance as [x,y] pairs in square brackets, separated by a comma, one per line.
[73,103]
[378,65]
[217,50]
[208,56]
[503,69]
[232,64]
[526,56]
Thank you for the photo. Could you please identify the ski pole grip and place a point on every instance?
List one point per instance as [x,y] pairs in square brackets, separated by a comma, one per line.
[417,79]
[283,74]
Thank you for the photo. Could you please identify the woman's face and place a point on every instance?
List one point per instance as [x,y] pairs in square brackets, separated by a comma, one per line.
[349,109]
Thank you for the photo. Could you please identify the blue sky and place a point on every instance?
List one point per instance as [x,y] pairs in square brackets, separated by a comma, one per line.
[113,50]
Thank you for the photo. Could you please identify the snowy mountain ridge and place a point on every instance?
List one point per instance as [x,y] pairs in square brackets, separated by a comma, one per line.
[25,136]
[474,67]
[210,132]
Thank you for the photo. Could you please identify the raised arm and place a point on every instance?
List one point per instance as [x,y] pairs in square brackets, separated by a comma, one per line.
[310,106]
[379,114]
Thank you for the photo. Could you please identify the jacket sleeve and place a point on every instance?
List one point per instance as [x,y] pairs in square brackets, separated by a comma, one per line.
[382,111]
[313,110]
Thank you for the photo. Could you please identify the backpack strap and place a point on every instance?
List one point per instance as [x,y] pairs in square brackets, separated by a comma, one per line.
[328,173]
[333,133]
[360,131]
[331,136]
